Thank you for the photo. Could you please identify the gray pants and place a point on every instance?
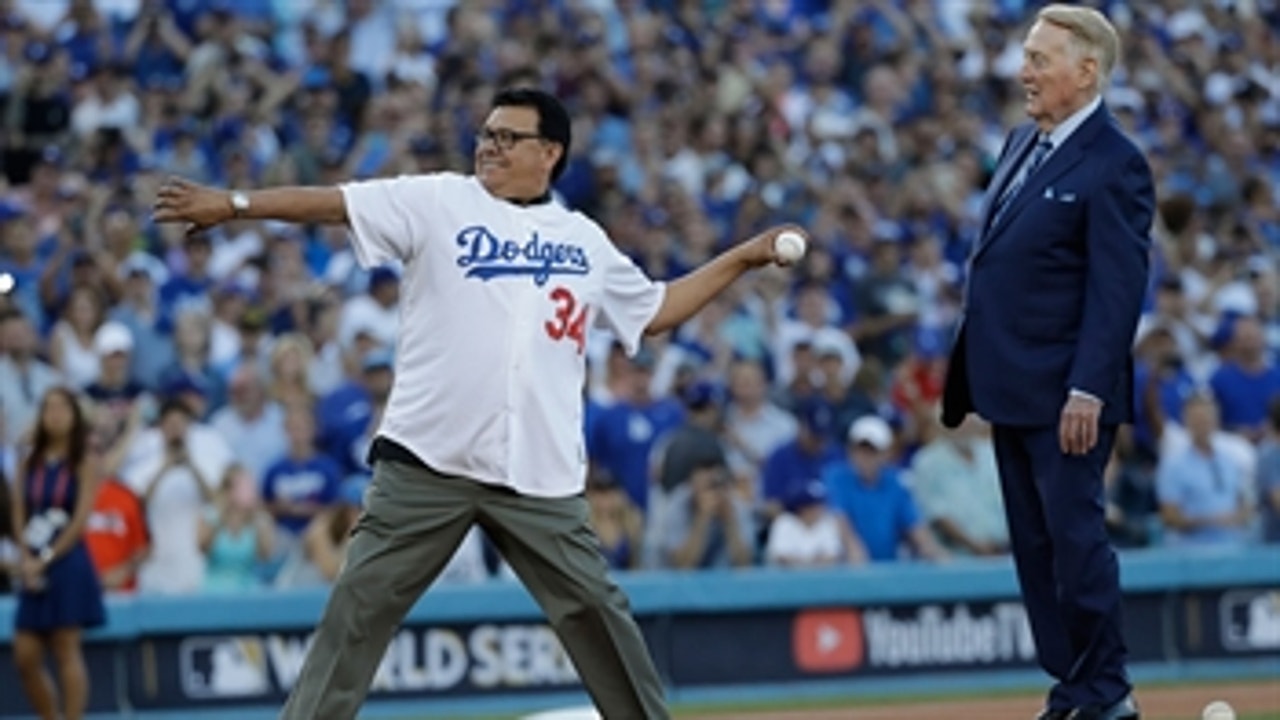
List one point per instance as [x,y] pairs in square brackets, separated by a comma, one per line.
[414,520]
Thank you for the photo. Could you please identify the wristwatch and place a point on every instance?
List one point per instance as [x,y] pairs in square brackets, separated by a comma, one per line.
[46,555]
[239,202]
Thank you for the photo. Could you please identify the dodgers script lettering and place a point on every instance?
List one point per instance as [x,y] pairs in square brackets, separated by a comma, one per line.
[486,256]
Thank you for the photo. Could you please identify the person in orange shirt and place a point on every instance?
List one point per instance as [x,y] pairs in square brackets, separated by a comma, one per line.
[117,536]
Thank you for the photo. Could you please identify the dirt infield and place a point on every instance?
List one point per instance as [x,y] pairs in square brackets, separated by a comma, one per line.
[1161,702]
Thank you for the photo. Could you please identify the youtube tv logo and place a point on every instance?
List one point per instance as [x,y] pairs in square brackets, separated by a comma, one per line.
[827,641]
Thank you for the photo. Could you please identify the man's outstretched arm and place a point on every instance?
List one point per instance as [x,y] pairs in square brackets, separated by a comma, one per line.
[203,207]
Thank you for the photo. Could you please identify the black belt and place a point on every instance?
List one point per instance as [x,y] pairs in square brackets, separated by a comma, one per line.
[386,449]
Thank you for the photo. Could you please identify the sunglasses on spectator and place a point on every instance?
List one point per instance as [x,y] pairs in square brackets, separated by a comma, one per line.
[504,138]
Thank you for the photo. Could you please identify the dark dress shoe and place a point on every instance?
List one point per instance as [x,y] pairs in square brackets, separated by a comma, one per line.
[1051,714]
[1126,709]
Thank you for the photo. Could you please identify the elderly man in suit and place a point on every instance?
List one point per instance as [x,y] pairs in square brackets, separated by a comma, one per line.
[1056,286]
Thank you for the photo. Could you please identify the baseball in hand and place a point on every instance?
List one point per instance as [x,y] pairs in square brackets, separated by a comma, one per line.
[1218,710]
[789,246]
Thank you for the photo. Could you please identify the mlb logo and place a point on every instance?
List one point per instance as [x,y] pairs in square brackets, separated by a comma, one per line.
[1251,620]
[224,667]
[827,641]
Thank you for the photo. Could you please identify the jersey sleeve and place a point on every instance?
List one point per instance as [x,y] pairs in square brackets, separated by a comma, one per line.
[381,215]
[631,298]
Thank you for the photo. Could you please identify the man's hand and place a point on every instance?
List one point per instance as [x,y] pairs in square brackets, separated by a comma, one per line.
[759,250]
[181,200]
[1078,427]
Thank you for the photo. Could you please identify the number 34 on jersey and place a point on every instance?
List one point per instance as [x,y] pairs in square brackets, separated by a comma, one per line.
[569,319]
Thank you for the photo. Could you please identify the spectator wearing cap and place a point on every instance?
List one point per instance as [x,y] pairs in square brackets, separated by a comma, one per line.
[1202,491]
[252,345]
[346,415]
[376,311]
[175,467]
[114,390]
[625,433]
[706,524]
[251,422]
[754,425]
[809,533]
[20,261]
[190,287]
[1247,380]
[870,493]
[804,457]
[300,482]
[190,360]
[139,312]
[816,313]
[618,523]
[24,378]
[71,346]
[956,483]
[888,307]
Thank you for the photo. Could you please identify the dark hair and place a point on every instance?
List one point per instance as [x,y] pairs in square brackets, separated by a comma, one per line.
[175,404]
[77,443]
[553,120]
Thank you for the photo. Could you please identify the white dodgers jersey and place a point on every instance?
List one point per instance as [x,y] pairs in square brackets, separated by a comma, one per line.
[496,301]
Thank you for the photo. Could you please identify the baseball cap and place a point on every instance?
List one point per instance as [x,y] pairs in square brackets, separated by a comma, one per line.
[183,384]
[700,394]
[817,416]
[803,494]
[380,275]
[871,430]
[112,337]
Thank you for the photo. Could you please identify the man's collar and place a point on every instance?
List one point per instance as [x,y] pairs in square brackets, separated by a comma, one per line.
[542,199]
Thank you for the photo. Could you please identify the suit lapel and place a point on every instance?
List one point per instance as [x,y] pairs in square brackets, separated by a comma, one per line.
[1055,166]
[1018,150]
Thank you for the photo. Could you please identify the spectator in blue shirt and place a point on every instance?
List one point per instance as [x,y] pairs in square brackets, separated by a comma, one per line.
[1246,382]
[806,456]
[868,490]
[625,432]
[344,415]
[1201,489]
[303,482]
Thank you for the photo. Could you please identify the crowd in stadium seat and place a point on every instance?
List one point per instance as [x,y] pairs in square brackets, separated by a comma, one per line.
[235,376]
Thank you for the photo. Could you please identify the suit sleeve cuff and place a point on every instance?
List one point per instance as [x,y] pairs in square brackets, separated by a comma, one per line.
[1076,392]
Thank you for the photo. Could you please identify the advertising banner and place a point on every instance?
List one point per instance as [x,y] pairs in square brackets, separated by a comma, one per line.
[1236,622]
[421,661]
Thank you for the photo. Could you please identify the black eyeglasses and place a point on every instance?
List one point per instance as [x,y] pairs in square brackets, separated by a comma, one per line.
[502,137]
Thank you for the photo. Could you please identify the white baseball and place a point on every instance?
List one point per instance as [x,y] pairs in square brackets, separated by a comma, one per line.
[1218,710]
[6,283]
[789,246]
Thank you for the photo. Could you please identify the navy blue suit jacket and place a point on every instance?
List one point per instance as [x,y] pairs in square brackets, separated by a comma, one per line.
[1056,285]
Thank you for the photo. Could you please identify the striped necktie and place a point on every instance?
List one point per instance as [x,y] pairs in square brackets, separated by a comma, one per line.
[1043,146]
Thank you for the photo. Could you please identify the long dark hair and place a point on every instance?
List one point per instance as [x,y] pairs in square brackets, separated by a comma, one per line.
[77,443]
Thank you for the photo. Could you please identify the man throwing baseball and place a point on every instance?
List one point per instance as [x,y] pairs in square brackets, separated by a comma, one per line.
[484,422]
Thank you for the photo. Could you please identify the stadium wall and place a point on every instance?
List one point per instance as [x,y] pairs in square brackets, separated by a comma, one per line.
[762,635]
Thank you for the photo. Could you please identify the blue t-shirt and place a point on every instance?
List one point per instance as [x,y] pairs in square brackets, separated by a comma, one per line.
[789,464]
[1243,398]
[623,438]
[316,479]
[342,417]
[882,513]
